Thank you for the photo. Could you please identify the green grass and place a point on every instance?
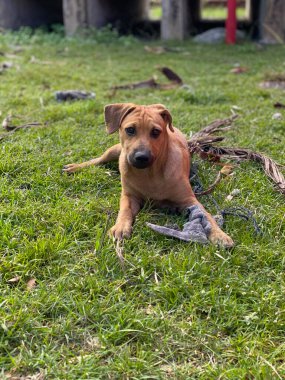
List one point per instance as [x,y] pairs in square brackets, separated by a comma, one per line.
[155,12]
[209,13]
[220,13]
[179,311]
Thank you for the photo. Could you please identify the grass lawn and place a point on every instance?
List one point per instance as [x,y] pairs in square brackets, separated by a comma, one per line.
[221,13]
[210,13]
[179,311]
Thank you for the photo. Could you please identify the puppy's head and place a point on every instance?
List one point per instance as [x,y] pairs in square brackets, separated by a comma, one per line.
[143,131]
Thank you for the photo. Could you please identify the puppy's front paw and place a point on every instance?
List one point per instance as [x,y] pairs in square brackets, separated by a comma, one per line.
[120,231]
[70,168]
[218,237]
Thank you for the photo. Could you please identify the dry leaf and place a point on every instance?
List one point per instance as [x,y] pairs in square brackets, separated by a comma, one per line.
[279,85]
[6,122]
[14,280]
[11,56]
[202,144]
[174,79]
[278,105]
[31,284]
[227,169]
[7,125]
[167,368]
[277,116]
[93,343]
[155,49]
[149,310]
[162,49]
[16,376]
[236,108]
[120,251]
[6,65]
[239,70]
[35,60]
[233,194]
[171,75]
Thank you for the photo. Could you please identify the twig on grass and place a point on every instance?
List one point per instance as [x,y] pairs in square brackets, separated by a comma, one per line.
[4,66]
[212,186]
[269,166]
[214,127]
[6,124]
[171,75]
[150,83]
[174,79]
[119,253]
[201,143]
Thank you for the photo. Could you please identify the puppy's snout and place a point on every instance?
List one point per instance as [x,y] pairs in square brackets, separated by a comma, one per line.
[141,159]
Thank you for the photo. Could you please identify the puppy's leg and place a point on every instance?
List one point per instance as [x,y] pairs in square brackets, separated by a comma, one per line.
[216,236]
[129,207]
[111,154]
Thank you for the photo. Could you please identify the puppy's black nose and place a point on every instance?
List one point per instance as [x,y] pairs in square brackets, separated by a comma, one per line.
[142,157]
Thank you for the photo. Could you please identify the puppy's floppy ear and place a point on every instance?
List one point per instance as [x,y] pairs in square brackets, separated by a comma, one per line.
[115,114]
[165,114]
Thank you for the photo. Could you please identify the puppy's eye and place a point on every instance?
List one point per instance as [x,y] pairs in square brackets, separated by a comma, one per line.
[155,132]
[131,131]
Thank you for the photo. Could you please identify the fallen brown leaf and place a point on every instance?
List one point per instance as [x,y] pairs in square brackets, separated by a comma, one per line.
[227,169]
[174,79]
[171,75]
[16,376]
[119,251]
[10,128]
[202,144]
[31,284]
[162,49]
[155,49]
[37,61]
[279,85]
[239,70]
[14,280]
[279,105]
[277,116]
[6,122]
[4,66]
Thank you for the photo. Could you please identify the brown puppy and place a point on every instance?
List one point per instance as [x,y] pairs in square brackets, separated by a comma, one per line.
[154,164]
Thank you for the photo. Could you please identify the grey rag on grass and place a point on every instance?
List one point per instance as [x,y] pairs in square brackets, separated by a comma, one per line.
[197,229]
[63,96]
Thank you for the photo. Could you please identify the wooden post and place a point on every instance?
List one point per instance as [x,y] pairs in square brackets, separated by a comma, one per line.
[272,21]
[174,23]
[74,15]
[79,14]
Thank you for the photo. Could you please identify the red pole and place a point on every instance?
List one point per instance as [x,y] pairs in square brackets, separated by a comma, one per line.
[231,23]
